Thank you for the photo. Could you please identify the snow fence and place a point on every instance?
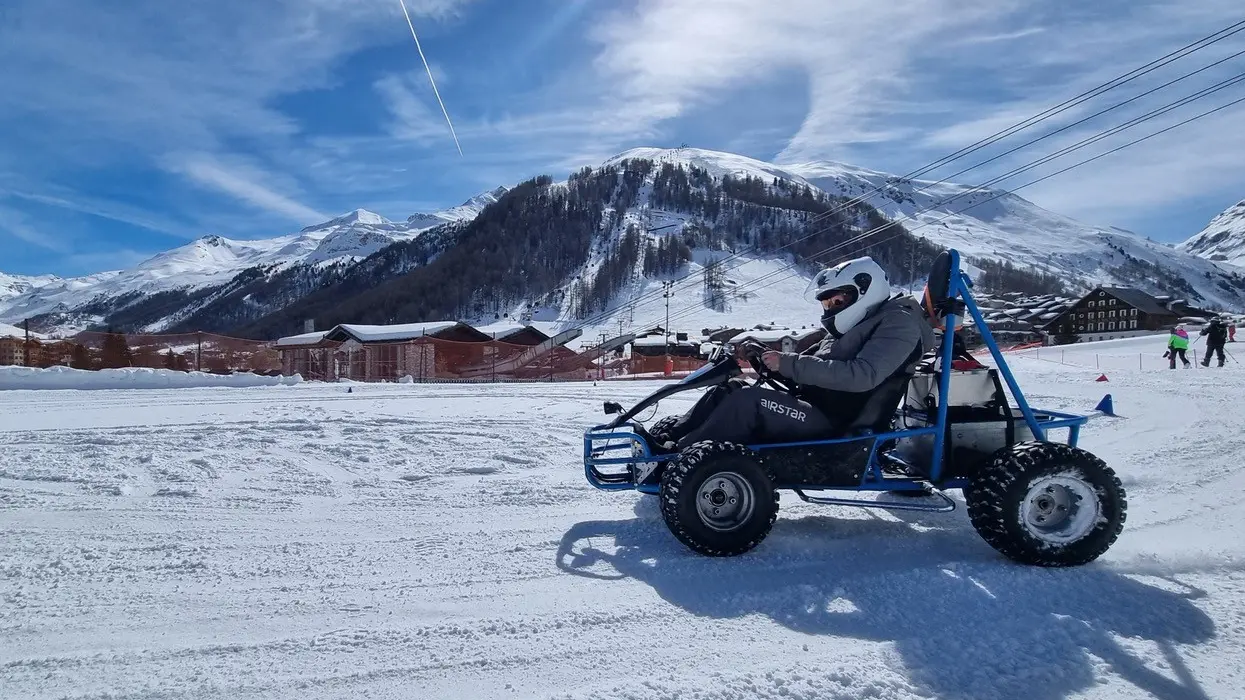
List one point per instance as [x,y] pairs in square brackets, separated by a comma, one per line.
[130,378]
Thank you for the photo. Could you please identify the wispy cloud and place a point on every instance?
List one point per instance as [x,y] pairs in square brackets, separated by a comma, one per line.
[17,225]
[83,204]
[245,187]
[856,54]
[1125,188]
[89,263]
[199,89]
[138,82]
[899,84]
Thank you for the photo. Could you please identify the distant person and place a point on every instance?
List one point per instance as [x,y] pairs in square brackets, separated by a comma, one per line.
[1232,332]
[1216,335]
[1178,344]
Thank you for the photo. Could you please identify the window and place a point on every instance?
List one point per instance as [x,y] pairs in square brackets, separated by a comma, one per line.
[1112,313]
[1132,312]
[1093,304]
[1101,293]
[1100,325]
[1081,328]
[1111,326]
[1132,324]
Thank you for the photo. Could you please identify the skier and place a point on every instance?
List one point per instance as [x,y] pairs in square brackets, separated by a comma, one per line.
[1216,335]
[1232,332]
[1178,344]
[872,337]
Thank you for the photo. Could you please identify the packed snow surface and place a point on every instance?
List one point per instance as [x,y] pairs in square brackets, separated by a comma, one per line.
[129,378]
[439,541]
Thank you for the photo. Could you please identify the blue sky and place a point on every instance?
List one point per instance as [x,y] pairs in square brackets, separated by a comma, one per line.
[133,126]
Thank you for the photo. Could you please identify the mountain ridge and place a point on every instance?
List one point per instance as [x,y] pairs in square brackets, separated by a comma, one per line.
[1223,239]
[216,280]
[212,260]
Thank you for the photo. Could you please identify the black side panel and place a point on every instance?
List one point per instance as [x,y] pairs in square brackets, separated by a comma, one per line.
[939,282]
[834,464]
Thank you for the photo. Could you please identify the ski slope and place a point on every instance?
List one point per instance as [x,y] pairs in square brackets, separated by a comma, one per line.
[1223,238]
[757,291]
[439,541]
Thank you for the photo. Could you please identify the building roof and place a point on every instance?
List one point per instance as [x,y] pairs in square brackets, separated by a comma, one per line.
[773,336]
[503,330]
[401,331]
[304,339]
[1138,299]
[650,341]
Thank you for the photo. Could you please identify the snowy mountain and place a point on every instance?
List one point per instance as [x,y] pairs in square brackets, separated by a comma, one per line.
[214,260]
[591,251]
[1223,239]
[994,224]
[16,285]
[466,211]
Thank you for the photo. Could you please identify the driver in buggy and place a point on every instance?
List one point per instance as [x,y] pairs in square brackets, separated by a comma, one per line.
[872,338]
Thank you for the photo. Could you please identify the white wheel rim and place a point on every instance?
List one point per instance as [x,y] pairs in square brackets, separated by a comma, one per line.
[1060,509]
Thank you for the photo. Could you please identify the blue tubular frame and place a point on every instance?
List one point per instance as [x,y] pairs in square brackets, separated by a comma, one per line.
[600,440]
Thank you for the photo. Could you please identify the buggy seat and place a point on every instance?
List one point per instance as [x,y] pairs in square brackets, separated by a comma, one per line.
[878,412]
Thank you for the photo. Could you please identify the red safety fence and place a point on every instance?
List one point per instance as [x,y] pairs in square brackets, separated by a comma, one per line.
[432,359]
[205,352]
[422,359]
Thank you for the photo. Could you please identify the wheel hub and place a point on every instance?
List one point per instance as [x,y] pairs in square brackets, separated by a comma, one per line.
[1060,509]
[725,501]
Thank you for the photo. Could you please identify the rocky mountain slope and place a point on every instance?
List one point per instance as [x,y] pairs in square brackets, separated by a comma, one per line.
[592,250]
[1223,239]
[178,280]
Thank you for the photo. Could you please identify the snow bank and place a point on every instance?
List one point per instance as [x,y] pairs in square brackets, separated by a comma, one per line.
[129,378]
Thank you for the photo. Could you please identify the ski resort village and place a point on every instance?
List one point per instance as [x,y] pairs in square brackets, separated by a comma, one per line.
[648,349]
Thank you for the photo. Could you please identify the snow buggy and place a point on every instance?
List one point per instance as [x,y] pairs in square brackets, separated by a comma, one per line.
[1034,500]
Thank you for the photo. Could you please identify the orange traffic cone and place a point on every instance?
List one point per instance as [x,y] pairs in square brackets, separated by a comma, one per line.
[1102,378]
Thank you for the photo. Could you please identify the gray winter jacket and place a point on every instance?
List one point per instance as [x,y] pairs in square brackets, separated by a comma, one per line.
[866,355]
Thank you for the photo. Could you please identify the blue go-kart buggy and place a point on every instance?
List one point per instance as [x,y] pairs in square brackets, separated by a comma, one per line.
[1034,500]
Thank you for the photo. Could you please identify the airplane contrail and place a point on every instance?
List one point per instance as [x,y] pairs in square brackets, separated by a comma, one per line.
[434,83]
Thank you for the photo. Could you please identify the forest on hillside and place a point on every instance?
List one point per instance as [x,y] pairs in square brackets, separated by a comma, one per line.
[579,245]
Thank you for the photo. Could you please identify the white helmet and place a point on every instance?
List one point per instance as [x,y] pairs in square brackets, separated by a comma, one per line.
[866,286]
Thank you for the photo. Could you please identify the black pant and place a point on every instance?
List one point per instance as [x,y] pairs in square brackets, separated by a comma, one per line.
[736,412]
[1172,352]
[1211,350]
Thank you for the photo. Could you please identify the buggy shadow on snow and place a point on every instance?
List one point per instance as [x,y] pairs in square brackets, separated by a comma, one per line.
[1034,500]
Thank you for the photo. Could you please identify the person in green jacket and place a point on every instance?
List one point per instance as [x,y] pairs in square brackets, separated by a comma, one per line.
[1178,344]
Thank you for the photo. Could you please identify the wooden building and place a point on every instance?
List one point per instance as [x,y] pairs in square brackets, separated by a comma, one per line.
[14,346]
[438,349]
[1110,312]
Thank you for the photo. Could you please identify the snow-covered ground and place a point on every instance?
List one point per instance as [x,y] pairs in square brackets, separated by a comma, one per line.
[430,541]
[1140,353]
[12,377]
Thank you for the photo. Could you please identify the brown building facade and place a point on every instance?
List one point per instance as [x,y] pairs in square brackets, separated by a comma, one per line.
[1111,312]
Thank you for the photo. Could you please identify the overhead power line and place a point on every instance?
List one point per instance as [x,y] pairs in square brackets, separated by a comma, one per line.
[1042,116]
[686,311]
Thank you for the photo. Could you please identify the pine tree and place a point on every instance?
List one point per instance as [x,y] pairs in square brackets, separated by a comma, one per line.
[80,358]
[115,351]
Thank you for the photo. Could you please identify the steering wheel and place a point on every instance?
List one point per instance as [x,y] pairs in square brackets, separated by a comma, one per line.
[752,351]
